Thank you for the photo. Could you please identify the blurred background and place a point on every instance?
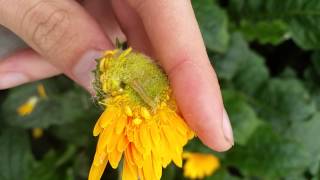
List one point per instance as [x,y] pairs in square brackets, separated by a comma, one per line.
[267,57]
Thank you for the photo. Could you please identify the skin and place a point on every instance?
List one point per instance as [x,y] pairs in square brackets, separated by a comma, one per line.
[65,35]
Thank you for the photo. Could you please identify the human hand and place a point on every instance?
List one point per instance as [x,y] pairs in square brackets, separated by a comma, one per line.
[65,37]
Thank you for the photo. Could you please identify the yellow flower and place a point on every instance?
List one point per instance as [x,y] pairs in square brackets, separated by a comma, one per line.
[140,123]
[199,165]
[27,107]
[37,133]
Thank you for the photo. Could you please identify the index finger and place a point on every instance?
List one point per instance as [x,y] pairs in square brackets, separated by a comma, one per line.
[176,38]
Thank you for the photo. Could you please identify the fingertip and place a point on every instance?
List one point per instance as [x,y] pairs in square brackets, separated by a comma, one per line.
[199,98]
[12,79]
[210,132]
[22,67]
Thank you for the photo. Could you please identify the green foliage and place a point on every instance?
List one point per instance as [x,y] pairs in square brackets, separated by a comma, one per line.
[301,17]
[284,102]
[213,23]
[15,154]
[243,116]
[61,107]
[273,31]
[273,102]
[239,64]
[268,155]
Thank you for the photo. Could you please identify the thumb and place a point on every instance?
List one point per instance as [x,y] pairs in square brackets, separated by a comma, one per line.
[61,31]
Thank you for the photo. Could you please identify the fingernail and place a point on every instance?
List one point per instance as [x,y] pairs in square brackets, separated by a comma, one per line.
[82,71]
[227,129]
[12,79]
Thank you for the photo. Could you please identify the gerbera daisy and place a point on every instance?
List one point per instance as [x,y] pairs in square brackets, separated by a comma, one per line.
[140,122]
[199,165]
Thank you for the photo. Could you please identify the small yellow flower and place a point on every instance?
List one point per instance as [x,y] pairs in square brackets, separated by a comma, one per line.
[37,133]
[140,123]
[199,165]
[27,107]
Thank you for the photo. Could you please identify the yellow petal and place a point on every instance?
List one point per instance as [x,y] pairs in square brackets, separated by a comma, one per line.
[147,169]
[125,53]
[128,154]
[145,113]
[97,171]
[97,128]
[145,138]
[105,138]
[28,107]
[99,158]
[42,91]
[173,146]
[121,123]
[157,165]
[114,158]
[102,64]
[109,115]
[128,111]
[140,174]
[122,144]
[165,151]
[137,142]
[137,157]
[155,134]
[37,133]
[130,134]
[114,140]
[129,172]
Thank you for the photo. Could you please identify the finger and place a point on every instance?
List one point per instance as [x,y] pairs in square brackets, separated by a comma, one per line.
[102,12]
[132,26]
[175,35]
[23,67]
[60,31]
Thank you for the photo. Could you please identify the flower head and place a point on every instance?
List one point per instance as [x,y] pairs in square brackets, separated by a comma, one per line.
[199,165]
[140,122]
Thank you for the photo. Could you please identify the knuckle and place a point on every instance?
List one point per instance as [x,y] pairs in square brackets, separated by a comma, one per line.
[45,25]
[175,67]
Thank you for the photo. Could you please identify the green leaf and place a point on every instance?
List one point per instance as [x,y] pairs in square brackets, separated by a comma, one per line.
[243,67]
[243,117]
[304,133]
[227,65]
[312,78]
[264,32]
[82,165]
[169,172]
[45,169]
[59,108]
[15,154]
[78,132]
[213,23]
[284,101]
[302,17]
[267,155]
[221,174]
[50,167]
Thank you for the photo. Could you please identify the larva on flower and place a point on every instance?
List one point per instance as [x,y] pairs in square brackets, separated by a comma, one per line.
[139,124]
